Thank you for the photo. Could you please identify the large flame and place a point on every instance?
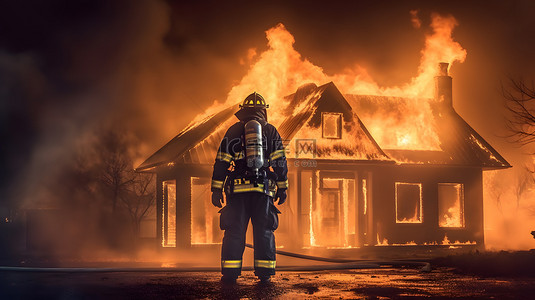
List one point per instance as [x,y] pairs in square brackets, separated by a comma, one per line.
[439,47]
[280,70]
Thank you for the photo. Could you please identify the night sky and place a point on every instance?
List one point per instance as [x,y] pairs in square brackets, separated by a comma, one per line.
[67,67]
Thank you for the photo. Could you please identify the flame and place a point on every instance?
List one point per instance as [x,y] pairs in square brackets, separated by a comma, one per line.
[446,241]
[439,47]
[365,196]
[310,220]
[452,218]
[450,205]
[280,70]
[380,242]
[170,207]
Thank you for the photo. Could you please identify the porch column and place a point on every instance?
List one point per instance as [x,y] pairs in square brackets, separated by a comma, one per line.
[183,210]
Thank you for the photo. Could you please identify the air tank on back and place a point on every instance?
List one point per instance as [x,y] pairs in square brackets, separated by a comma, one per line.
[253,146]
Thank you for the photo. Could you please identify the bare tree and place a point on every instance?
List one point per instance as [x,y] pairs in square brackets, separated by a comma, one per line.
[520,102]
[523,182]
[139,199]
[116,170]
[494,186]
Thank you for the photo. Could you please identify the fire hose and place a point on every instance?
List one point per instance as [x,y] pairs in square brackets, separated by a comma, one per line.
[337,264]
[340,264]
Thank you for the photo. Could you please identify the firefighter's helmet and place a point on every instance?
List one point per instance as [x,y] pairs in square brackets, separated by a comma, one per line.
[254,100]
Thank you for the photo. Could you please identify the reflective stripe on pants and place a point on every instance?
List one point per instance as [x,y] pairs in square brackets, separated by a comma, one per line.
[231,264]
[269,264]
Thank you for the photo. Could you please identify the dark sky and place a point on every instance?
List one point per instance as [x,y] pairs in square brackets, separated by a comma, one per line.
[67,67]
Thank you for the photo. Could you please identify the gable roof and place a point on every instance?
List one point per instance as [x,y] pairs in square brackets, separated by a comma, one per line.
[304,116]
[452,140]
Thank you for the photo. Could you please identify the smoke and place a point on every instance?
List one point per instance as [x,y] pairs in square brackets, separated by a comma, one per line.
[105,68]
[109,68]
[416,22]
[509,209]
[147,68]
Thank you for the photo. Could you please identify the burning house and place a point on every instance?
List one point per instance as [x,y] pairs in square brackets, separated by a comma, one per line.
[362,172]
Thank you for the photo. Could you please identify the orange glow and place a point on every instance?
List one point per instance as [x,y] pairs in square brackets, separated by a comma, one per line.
[333,222]
[365,196]
[280,70]
[204,225]
[383,242]
[169,217]
[450,202]
[446,241]
[311,229]
[168,265]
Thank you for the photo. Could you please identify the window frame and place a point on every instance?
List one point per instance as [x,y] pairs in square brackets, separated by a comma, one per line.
[339,121]
[420,216]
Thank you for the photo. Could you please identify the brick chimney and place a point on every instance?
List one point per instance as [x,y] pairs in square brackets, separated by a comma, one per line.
[443,89]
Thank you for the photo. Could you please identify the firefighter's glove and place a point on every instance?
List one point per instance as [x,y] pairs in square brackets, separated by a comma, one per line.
[281,196]
[217,197]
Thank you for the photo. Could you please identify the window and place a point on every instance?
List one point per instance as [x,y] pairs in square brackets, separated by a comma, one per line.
[169,214]
[408,202]
[331,124]
[450,205]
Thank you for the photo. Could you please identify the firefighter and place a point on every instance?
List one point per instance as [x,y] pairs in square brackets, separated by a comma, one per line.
[250,167]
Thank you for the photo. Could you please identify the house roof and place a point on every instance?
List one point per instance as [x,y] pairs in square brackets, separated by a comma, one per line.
[304,116]
[189,138]
[452,140]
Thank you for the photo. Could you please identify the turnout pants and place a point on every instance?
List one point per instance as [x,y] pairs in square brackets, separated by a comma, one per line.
[241,207]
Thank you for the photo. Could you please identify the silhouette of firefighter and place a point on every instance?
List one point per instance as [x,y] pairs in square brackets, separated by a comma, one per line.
[251,168]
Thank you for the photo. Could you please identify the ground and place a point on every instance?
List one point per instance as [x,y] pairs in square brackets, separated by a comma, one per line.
[388,283]
[473,275]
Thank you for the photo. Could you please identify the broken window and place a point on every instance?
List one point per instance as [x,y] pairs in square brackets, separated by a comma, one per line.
[204,218]
[450,205]
[331,125]
[408,202]
[169,214]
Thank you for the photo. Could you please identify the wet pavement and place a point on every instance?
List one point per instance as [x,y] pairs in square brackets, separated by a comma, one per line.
[384,283]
